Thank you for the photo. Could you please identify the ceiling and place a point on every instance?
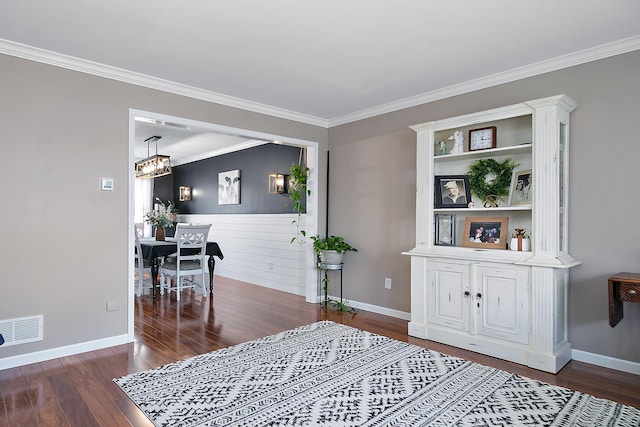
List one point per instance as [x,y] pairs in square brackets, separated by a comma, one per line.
[320,62]
[185,141]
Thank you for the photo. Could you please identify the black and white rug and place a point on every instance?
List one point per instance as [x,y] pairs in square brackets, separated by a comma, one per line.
[329,374]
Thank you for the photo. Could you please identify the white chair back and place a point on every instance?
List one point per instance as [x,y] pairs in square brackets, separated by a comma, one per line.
[190,259]
[192,237]
[139,229]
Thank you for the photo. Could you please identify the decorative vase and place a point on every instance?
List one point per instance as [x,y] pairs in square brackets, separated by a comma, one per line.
[160,233]
[520,244]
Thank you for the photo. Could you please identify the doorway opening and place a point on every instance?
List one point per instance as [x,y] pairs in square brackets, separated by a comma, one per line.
[236,139]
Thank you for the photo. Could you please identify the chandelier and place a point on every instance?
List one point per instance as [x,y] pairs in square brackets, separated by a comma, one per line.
[153,166]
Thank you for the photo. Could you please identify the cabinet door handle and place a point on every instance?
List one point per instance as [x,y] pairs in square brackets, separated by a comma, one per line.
[467,294]
[478,295]
[632,293]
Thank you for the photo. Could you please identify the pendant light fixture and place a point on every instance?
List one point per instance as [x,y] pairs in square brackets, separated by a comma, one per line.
[153,166]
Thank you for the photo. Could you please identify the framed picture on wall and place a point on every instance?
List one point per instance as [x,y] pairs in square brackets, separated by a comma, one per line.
[229,187]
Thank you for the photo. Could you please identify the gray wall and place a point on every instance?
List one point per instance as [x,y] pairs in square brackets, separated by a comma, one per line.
[62,130]
[372,193]
[66,252]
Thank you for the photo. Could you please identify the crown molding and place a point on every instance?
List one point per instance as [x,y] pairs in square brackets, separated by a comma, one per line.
[64,61]
[554,64]
[72,63]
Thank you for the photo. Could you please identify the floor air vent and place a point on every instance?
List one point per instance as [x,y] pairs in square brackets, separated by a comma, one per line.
[21,330]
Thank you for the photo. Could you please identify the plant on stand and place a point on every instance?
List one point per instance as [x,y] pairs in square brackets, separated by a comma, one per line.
[161,217]
[330,252]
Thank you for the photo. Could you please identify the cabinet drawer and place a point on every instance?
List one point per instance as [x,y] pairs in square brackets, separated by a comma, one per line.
[630,293]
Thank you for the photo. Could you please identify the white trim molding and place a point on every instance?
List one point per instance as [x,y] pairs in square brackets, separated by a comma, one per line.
[606,361]
[68,350]
[576,58]
[72,63]
[373,308]
[101,70]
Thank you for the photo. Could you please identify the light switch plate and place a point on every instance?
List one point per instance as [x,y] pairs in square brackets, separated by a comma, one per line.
[106,184]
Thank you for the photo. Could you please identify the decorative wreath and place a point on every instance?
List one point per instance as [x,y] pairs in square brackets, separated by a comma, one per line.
[488,177]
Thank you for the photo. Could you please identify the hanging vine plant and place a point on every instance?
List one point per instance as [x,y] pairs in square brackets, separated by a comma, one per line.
[489,178]
[297,192]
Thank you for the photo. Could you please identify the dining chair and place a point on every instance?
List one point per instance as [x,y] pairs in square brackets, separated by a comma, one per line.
[142,266]
[190,260]
[177,225]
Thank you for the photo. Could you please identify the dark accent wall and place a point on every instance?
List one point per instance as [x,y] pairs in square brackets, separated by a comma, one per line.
[255,165]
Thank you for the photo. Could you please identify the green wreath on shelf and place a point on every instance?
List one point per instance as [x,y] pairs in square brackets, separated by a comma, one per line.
[490,179]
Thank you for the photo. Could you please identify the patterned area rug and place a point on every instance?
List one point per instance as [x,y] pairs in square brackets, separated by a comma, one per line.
[333,375]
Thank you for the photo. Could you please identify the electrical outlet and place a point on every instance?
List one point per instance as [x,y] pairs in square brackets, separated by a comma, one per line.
[112,306]
[387,283]
[270,265]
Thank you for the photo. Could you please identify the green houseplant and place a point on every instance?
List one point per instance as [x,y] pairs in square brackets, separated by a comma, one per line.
[297,192]
[330,250]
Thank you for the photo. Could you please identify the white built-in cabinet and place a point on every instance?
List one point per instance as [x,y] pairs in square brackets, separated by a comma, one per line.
[504,303]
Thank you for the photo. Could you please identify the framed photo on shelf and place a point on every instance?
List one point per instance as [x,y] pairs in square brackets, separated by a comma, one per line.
[520,194]
[486,232]
[452,191]
[445,230]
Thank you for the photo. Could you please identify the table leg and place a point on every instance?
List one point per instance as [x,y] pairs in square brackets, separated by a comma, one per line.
[212,265]
[154,277]
[615,304]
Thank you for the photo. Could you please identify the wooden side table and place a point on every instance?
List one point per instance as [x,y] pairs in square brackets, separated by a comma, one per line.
[623,287]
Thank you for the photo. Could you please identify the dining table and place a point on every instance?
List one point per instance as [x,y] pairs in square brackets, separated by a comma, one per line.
[155,250]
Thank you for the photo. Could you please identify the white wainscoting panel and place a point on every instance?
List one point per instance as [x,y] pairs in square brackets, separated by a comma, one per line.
[257,249]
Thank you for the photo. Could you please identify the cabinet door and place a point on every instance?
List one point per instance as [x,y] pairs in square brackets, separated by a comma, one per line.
[448,295]
[501,303]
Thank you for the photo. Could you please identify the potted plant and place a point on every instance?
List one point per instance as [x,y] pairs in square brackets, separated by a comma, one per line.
[161,217]
[520,240]
[331,249]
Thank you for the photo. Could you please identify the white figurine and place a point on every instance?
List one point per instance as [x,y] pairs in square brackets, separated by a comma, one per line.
[459,140]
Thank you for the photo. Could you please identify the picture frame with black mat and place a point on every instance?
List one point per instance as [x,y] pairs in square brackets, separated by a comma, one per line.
[452,191]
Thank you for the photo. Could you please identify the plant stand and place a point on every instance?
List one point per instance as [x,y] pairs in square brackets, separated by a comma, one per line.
[340,305]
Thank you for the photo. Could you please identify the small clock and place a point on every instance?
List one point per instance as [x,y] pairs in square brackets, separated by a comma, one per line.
[482,138]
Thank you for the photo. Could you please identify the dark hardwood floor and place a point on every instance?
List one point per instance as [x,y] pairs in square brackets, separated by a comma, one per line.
[78,390]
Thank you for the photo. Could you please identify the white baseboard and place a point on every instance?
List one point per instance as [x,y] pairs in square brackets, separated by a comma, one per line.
[54,353]
[377,309]
[606,361]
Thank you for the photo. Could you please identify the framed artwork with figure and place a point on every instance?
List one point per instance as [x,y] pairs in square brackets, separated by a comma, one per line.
[452,191]
[229,187]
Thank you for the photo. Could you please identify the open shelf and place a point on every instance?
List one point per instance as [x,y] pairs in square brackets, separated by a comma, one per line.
[479,154]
